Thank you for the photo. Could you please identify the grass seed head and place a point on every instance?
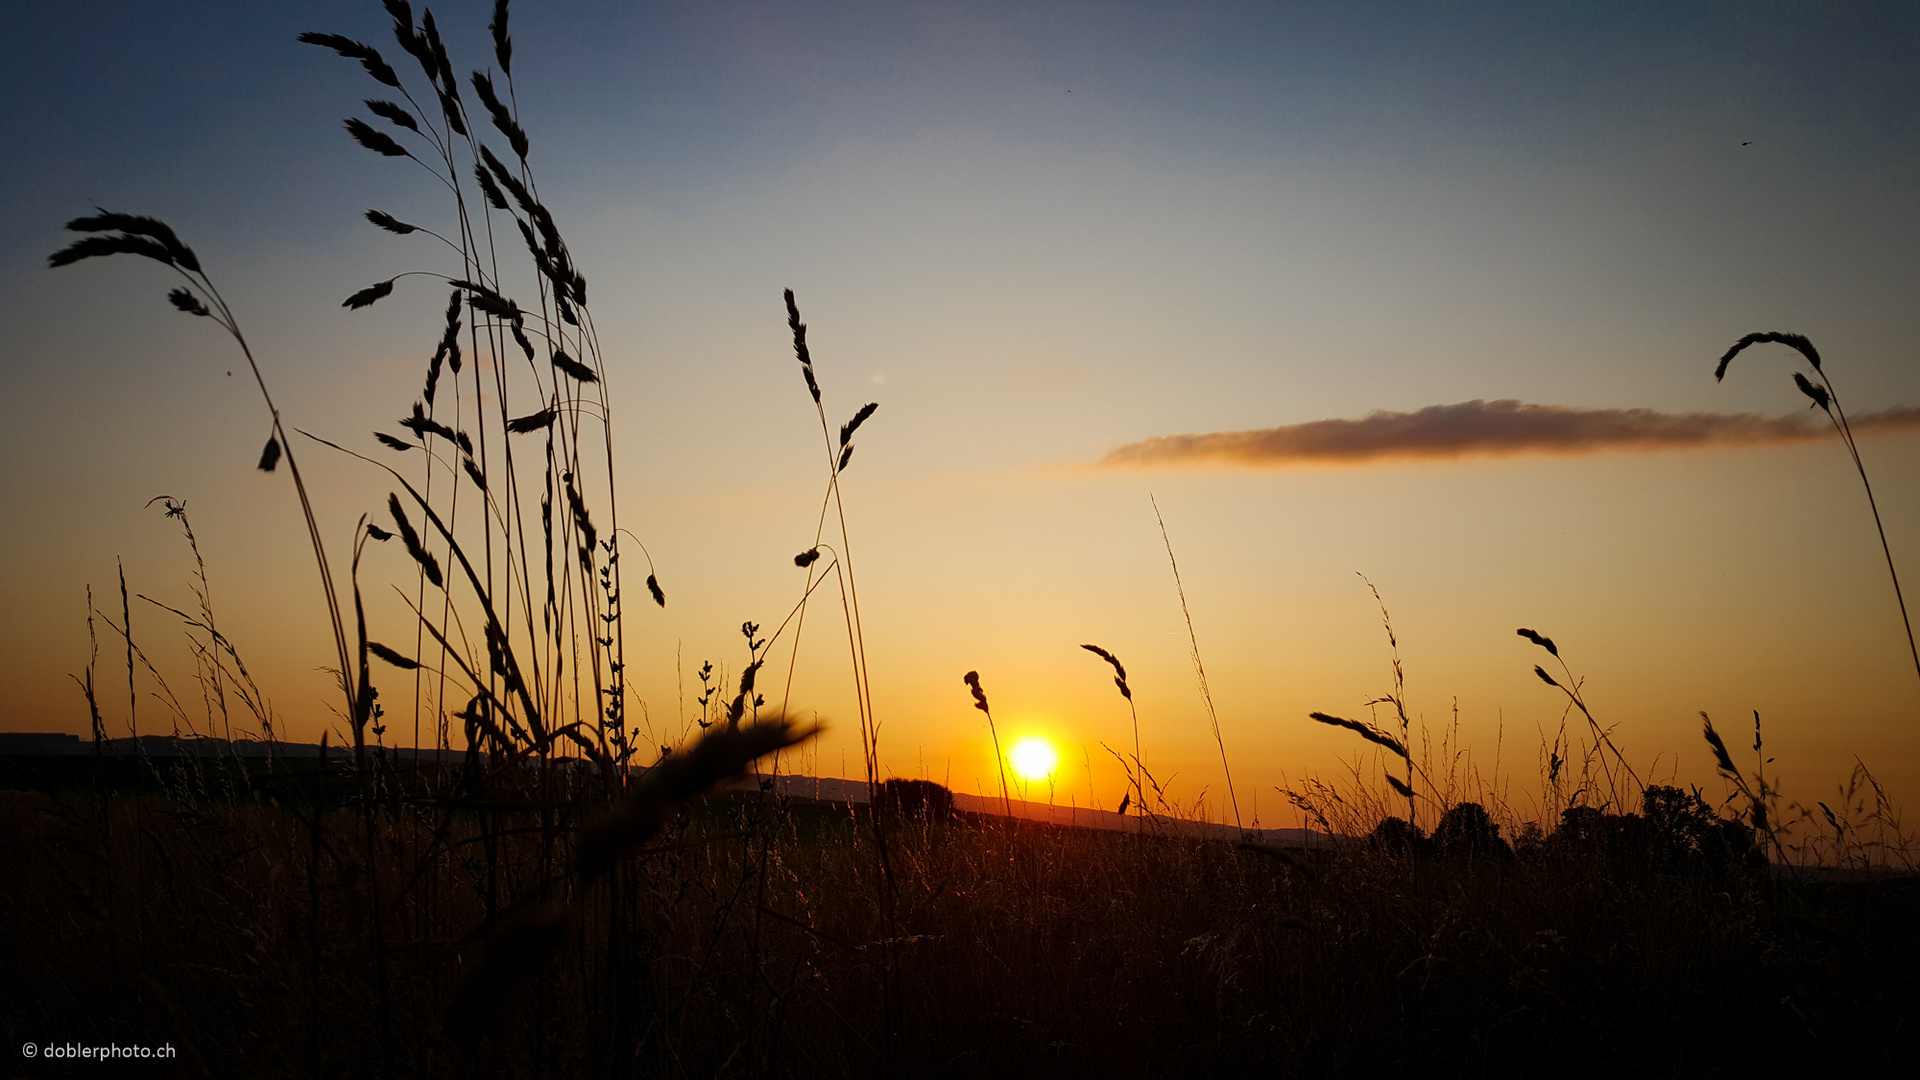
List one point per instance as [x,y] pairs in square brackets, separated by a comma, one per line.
[391,656]
[368,296]
[392,113]
[377,141]
[1720,755]
[719,753]
[187,302]
[502,42]
[1539,639]
[1366,731]
[428,564]
[972,679]
[574,368]
[1119,672]
[1798,342]
[354,50]
[390,223]
[532,422]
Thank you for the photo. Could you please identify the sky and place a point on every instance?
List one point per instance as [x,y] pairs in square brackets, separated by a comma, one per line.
[1431,294]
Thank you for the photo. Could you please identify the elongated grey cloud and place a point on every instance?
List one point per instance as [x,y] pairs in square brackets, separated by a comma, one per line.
[1487,428]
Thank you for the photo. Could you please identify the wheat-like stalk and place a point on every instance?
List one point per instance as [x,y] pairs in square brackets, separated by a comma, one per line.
[1120,682]
[1827,400]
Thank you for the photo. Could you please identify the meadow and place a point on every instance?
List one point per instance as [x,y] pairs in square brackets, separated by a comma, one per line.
[296,932]
[546,893]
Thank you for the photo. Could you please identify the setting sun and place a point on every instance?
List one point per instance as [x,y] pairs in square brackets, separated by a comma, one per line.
[1033,758]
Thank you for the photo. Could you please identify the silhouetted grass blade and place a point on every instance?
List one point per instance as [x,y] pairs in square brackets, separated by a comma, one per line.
[428,564]
[502,43]
[354,50]
[575,368]
[1795,341]
[377,141]
[1366,731]
[502,119]
[368,296]
[1541,640]
[539,421]
[92,247]
[393,114]
[847,429]
[139,225]
[187,302]
[391,656]
[390,223]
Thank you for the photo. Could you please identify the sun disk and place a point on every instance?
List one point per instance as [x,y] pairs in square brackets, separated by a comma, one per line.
[1033,758]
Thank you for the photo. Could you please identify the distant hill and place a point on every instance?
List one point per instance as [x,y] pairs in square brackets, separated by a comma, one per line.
[56,744]
[854,793]
[816,788]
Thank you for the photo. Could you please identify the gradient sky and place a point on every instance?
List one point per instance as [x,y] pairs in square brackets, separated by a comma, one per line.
[1036,234]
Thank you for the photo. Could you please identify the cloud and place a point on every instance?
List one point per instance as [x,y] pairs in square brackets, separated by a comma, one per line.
[1486,428]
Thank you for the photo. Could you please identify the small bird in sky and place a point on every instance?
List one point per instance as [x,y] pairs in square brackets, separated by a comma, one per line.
[1749,142]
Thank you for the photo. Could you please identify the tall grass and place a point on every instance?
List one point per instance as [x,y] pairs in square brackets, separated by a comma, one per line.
[1136,772]
[1827,400]
[504,506]
[537,897]
[1200,670]
[111,233]
[1019,951]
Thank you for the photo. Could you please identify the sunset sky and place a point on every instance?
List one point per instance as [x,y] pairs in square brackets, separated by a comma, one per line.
[1041,237]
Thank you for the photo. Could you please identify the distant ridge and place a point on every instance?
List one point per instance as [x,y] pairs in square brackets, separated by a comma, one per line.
[59,744]
[817,788]
[854,793]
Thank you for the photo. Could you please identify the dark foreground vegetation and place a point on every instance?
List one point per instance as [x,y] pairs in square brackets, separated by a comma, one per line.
[271,935]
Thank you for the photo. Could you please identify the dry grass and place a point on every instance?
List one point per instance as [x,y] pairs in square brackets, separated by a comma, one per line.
[749,942]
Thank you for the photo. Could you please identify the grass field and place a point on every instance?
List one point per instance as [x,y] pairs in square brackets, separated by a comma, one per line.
[756,936]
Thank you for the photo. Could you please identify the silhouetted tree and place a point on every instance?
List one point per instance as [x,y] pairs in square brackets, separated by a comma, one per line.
[1684,833]
[1466,830]
[922,799]
[1397,836]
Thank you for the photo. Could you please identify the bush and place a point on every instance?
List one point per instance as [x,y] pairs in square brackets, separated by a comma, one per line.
[1467,831]
[1396,836]
[917,799]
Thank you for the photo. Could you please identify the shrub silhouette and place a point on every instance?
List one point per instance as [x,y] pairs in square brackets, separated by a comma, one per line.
[1467,831]
[1676,832]
[917,799]
[1396,836]
[1684,833]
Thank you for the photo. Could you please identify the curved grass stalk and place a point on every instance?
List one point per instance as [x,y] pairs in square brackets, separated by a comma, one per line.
[131,234]
[1827,399]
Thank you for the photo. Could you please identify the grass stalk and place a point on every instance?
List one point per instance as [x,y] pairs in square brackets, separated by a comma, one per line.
[1199,669]
[1827,399]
